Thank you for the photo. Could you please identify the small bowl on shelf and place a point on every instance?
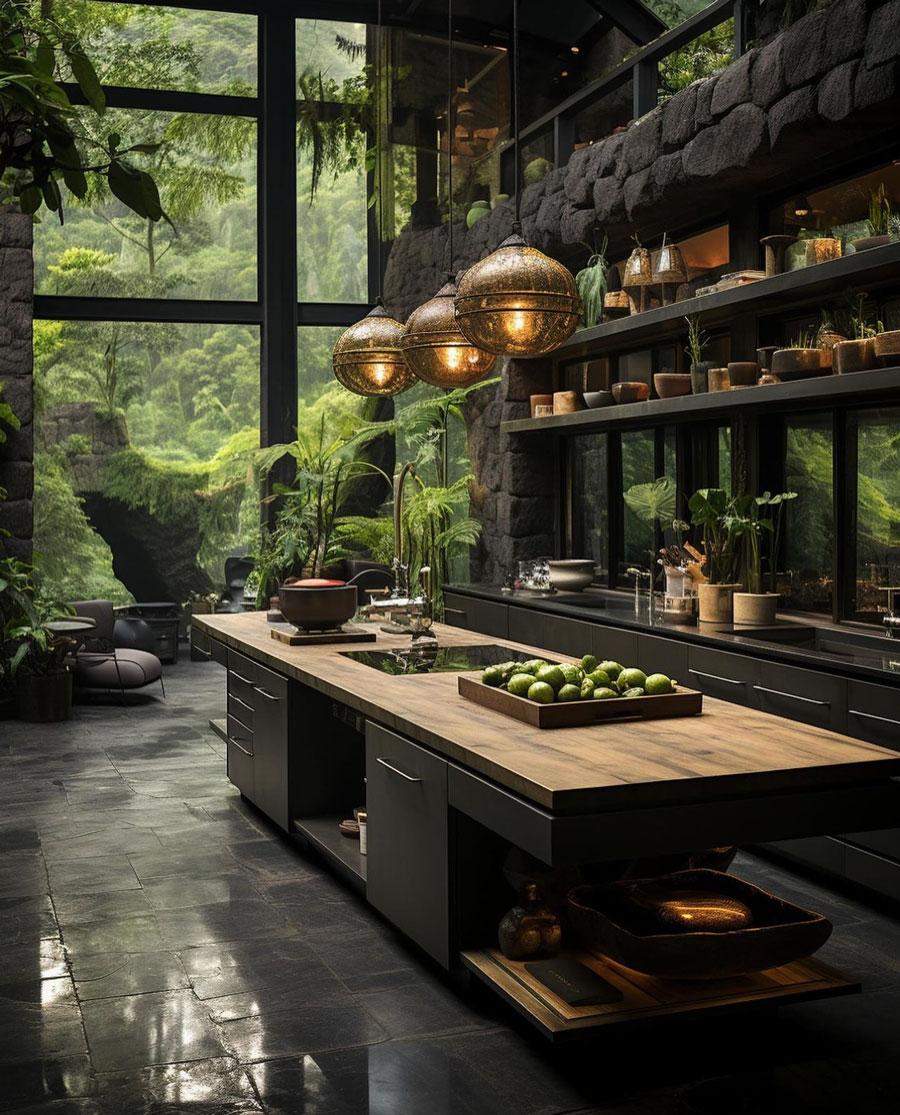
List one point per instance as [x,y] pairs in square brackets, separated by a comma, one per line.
[887,348]
[630,392]
[594,399]
[801,363]
[672,385]
[743,373]
[571,574]
[854,356]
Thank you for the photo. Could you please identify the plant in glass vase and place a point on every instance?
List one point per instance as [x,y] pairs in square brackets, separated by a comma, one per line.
[713,511]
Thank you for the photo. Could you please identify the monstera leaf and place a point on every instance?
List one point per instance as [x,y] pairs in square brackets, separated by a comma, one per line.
[655,501]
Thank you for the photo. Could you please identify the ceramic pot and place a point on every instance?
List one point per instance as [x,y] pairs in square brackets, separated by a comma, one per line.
[566,402]
[594,399]
[822,249]
[540,401]
[631,392]
[854,356]
[887,348]
[671,385]
[718,379]
[866,242]
[755,609]
[764,357]
[571,574]
[801,363]
[44,697]
[716,602]
[317,605]
[700,376]
[743,373]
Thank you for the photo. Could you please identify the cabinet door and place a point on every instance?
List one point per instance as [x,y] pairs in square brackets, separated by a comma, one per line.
[469,612]
[873,713]
[408,873]
[270,729]
[806,695]
[657,655]
[730,677]
[566,636]
[456,610]
[525,626]
[615,643]
[239,758]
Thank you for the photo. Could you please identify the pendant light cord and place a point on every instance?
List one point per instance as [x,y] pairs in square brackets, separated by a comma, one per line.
[450,129]
[379,213]
[517,180]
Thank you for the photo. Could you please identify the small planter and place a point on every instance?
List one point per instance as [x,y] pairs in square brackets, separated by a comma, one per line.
[887,348]
[755,609]
[44,698]
[716,602]
[854,356]
[822,249]
[866,242]
[801,363]
[700,376]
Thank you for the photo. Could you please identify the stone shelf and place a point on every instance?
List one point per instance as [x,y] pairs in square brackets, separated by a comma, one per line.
[792,290]
[805,394]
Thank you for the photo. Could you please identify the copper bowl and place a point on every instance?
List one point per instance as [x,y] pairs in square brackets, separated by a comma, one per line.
[631,392]
[854,356]
[801,363]
[318,605]
[672,385]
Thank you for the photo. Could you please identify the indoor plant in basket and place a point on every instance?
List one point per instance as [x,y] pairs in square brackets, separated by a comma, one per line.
[713,510]
[759,520]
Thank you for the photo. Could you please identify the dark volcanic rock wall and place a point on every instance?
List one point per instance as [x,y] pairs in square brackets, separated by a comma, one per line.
[16,454]
[820,94]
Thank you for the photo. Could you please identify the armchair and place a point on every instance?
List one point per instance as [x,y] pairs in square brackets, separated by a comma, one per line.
[100,664]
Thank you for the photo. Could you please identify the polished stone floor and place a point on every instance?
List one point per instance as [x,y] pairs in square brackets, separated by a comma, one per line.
[164,951]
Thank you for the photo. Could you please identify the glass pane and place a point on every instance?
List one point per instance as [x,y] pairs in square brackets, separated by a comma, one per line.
[724,458]
[206,173]
[144,436]
[877,511]
[336,51]
[706,55]
[152,47]
[588,506]
[318,391]
[809,538]
[638,467]
[600,119]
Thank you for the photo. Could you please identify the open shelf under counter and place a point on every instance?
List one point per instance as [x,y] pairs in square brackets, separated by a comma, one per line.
[342,852]
[220,727]
[791,290]
[646,998]
[804,394]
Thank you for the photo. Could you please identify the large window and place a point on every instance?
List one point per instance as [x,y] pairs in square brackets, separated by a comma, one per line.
[588,503]
[877,510]
[809,537]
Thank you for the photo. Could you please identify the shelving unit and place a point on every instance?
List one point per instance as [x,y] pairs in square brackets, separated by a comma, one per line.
[804,394]
[342,852]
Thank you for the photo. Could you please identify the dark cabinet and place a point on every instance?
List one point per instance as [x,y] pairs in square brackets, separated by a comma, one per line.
[615,643]
[804,695]
[239,752]
[473,614]
[270,745]
[407,870]
[720,674]
[567,636]
[658,655]
[524,626]
[873,713]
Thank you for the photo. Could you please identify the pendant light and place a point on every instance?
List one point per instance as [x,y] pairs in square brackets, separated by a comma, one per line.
[367,357]
[517,301]
[433,344]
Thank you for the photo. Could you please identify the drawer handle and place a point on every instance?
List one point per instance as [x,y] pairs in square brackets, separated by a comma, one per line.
[200,650]
[872,716]
[396,770]
[249,754]
[792,696]
[454,611]
[240,677]
[234,697]
[716,677]
[265,693]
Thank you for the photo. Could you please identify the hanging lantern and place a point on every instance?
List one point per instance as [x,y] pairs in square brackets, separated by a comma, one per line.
[367,357]
[669,267]
[517,301]
[435,348]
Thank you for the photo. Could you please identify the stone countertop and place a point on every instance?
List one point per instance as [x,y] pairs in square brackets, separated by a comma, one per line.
[868,663]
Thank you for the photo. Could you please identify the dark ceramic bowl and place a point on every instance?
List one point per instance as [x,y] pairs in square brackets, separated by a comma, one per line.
[854,356]
[801,363]
[594,399]
[318,607]
[631,392]
[743,373]
[611,923]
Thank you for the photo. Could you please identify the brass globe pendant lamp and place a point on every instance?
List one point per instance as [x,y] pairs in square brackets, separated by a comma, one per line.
[434,347]
[517,301]
[367,358]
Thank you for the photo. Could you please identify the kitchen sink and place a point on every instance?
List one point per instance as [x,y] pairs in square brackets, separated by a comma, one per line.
[846,646]
[432,659]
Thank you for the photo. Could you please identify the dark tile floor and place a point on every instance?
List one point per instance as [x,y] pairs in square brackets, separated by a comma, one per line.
[165,951]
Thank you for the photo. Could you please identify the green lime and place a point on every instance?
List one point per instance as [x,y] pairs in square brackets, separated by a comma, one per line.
[599,677]
[493,676]
[589,663]
[604,693]
[611,668]
[569,693]
[634,691]
[659,683]
[553,676]
[519,684]
[587,689]
[632,678]
[574,675]
[541,692]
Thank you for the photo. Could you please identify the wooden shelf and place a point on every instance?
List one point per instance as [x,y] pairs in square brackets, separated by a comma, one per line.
[646,998]
[792,290]
[804,394]
[342,852]
[220,727]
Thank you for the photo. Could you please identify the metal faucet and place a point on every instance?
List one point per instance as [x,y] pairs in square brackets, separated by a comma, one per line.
[638,575]
[401,570]
[891,620]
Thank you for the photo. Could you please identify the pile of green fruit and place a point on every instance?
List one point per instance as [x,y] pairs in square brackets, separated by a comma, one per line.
[546,682]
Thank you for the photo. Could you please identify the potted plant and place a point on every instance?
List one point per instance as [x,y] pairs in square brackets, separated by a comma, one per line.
[591,284]
[802,359]
[698,339]
[762,532]
[713,510]
[858,353]
[32,656]
[879,221]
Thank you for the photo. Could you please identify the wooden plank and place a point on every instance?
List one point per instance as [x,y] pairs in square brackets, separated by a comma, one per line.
[284,633]
[727,751]
[576,714]
[646,998]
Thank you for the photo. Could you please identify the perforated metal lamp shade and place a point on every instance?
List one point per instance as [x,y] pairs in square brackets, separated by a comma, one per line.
[517,301]
[435,348]
[367,357]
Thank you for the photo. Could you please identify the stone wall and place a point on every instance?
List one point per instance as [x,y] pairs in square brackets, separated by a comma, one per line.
[815,96]
[16,454]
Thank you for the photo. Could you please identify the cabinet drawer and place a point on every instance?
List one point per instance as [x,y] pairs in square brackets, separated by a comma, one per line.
[658,655]
[240,711]
[730,677]
[525,627]
[805,695]
[270,746]
[268,686]
[219,652]
[614,643]
[485,616]
[886,842]
[407,871]
[240,761]
[873,713]
[201,645]
[241,676]
[566,636]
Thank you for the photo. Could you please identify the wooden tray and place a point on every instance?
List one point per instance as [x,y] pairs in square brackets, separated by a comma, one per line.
[574,714]
[284,633]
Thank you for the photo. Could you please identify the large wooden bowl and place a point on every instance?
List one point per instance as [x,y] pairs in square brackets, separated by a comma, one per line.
[318,606]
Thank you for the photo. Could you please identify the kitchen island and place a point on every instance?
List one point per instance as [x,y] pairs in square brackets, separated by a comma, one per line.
[451,787]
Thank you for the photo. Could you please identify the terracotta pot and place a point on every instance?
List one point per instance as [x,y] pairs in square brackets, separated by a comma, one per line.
[716,602]
[854,356]
[866,242]
[566,402]
[887,348]
[631,392]
[44,697]
[801,363]
[755,609]
[743,373]
[540,401]
[671,385]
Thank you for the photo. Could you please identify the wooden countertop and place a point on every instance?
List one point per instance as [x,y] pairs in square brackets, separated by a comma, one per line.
[728,751]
